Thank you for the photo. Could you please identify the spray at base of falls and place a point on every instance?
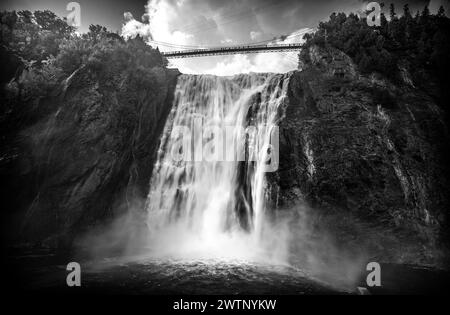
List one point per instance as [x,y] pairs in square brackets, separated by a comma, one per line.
[217,208]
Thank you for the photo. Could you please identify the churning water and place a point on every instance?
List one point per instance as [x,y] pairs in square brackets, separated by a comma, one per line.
[210,229]
[210,226]
[208,195]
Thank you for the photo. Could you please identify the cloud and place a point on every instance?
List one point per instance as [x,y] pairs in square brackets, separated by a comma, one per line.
[127,16]
[226,41]
[435,4]
[263,62]
[255,35]
[188,24]
[133,28]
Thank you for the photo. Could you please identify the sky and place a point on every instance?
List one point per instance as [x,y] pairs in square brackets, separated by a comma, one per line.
[179,24]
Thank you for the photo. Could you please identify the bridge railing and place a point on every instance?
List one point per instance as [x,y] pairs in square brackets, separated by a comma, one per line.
[230,49]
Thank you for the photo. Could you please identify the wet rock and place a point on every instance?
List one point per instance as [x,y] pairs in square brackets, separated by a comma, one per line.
[89,157]
[369,149]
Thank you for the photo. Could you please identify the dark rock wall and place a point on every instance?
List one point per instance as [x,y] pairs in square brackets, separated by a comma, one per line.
[369,156]
[88,158]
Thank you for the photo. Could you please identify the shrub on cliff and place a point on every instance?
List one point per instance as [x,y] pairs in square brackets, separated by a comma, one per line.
[33,36]
[42,51]
[80,119]
[421,43]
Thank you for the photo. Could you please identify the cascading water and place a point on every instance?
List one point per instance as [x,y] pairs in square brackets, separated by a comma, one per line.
[208,201]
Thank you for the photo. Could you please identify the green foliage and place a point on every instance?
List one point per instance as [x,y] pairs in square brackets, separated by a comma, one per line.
[421,44]
[37,83]
[49,21]
[421,40]
[47,53]
[33,36]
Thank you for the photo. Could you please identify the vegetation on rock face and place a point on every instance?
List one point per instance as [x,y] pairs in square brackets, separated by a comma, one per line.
[373,158]
[419,44]
[80,121]
[81,115]
[40,50]
[371,126]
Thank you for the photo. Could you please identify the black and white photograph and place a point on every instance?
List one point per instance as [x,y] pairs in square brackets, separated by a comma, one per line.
[231,155]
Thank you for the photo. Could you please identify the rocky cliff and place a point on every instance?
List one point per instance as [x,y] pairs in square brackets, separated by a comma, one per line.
[368,156]
[87,154]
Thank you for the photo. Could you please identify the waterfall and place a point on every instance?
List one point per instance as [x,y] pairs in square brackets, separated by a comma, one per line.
[208,189]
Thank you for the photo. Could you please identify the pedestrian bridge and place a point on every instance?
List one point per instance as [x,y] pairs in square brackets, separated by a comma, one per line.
[232,50]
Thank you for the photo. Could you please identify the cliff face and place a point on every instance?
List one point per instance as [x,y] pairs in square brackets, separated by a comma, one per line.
[370,155]
[89,155]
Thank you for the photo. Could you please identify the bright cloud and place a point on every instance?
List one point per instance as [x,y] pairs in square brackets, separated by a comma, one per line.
[133,28]
[262,62]
[186,24]
[255,35]
[226,41]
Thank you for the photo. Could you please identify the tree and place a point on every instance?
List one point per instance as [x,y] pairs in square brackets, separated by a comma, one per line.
[406,12]
[97,29]
[392,13]
[420,41]
[26,16]
[417,16]
[441,12]
[383,24]
[425,13]
[406,25]
[364,63]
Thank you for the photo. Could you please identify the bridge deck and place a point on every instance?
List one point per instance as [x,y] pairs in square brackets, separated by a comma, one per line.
[231,50]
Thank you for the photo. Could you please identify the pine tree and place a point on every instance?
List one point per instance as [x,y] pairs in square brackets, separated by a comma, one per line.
[392,13]
[441,11]
[407,24]
[419,40]
[364,63]
[406,12]
[383,24]
[417,16]
[425,12]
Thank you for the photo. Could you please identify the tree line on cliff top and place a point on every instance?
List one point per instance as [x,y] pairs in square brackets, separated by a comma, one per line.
[79,117]
[39,50]
[50,50]
[420,43]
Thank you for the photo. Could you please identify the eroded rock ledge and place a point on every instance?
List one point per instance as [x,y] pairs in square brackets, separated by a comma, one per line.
[369,157]
[89,156]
